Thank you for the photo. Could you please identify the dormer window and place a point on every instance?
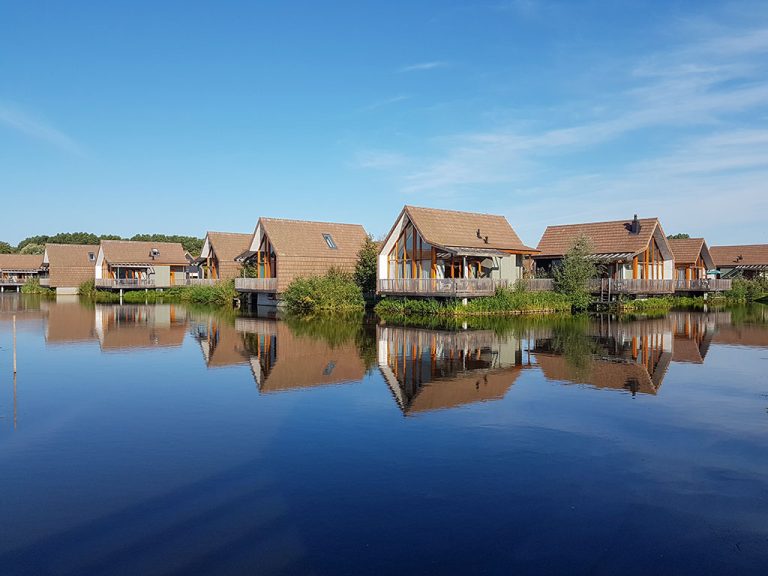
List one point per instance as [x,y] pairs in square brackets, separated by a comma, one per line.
[92,256]
[329,240]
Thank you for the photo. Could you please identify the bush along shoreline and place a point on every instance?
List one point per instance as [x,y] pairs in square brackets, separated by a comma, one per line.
[220,294]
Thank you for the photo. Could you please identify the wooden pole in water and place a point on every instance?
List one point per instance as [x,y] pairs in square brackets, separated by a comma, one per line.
[14,344]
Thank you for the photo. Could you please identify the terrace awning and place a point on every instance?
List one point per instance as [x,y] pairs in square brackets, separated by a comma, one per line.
[478,252]
[752,267]
[612,257]
[247,255]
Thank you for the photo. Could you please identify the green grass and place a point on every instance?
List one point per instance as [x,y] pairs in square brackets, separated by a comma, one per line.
[503,302]
[32,286]
[221,294]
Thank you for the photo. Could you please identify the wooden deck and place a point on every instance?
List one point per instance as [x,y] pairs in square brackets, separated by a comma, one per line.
[704,285]
[124,283]
[440,287]
[268,285]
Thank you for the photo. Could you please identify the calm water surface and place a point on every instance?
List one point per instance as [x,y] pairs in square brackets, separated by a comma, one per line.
[164,440]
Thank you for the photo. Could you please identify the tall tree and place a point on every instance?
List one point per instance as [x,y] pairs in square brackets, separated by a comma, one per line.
[574,272]
[681,236]
[6,248]
[365,269]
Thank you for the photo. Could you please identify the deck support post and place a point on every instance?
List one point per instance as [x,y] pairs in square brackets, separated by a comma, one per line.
[464,301]
[121,296]
[18,289]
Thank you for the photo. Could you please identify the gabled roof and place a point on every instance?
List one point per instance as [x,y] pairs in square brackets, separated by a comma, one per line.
[228,245]
[305,238]
[70,255]
[21,262]
[740,255]
[612,237]
[452,228]
[133,252]
[687,251]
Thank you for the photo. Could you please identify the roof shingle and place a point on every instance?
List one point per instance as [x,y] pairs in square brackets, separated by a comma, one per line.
[607,237]
[740,255]
[133,252]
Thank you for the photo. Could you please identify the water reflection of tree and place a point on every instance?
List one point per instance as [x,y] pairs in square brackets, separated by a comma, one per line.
[337,331]
[571,339]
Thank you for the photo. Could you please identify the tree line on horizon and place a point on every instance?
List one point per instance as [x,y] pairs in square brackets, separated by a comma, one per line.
[36,244]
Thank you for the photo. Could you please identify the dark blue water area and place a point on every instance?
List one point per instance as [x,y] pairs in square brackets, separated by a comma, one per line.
[150,459]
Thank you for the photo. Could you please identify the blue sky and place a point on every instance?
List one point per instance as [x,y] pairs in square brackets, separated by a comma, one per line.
[180,117]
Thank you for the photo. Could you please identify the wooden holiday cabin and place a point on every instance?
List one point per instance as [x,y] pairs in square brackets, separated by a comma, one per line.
[17,269]
[125,264]
[693,262]
[446,253]
[217,259]
[69,265]
[741,261]
[633,256]
[283,250]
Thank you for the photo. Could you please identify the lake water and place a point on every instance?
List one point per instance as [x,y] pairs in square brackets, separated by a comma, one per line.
[144,440]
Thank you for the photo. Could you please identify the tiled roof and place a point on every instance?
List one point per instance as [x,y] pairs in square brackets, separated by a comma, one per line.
[606,237]
[132,252]
[70,254]
[459,229]
[29,262]
[742,255]
[69,265]
[627,376]
[229,245]
[304,239]
[687,251]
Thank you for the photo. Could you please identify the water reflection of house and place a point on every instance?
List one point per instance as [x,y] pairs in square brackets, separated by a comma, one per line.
[222,345]
[431,370]
[70,323]
[127,327]
[632,356]
[282,359]
[693,332]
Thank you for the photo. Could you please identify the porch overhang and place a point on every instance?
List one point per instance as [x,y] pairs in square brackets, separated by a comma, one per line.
[473,252]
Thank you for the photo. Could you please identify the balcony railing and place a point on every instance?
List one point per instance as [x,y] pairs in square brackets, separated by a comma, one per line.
[256,284]
[194,282]
[441,287]
[631,286]
[538,284]
[123,283]
[703,285]
[13,281]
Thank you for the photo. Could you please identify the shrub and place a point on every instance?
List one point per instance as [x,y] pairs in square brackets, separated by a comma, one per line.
[574,272]
[334,292]
[32,286]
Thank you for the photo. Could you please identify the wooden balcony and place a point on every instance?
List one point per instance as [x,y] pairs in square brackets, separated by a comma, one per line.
[268,285]
[125,283]
[609,286]
[703,285]
[194,282]
[539,284]
[13,281]
[440,287]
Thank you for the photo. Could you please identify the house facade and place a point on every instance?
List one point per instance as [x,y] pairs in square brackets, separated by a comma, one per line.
[17,269]
[283,250]
[745,260]
[125,264]
[69,265]
[635,252]
[447,253]
[693,267]
[217,259]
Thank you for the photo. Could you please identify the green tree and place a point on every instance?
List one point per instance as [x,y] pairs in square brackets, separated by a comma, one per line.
[191,244]
[33,249]
[572,275]
[681,236]
[6,248]
[365,269]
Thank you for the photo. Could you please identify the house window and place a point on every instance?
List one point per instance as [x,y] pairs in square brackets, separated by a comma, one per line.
[91,256]
[329,240]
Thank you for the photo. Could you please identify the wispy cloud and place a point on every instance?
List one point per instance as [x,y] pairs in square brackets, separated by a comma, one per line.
[420,66]
[380,159]
[688,124]
[385,102]
[21,121]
